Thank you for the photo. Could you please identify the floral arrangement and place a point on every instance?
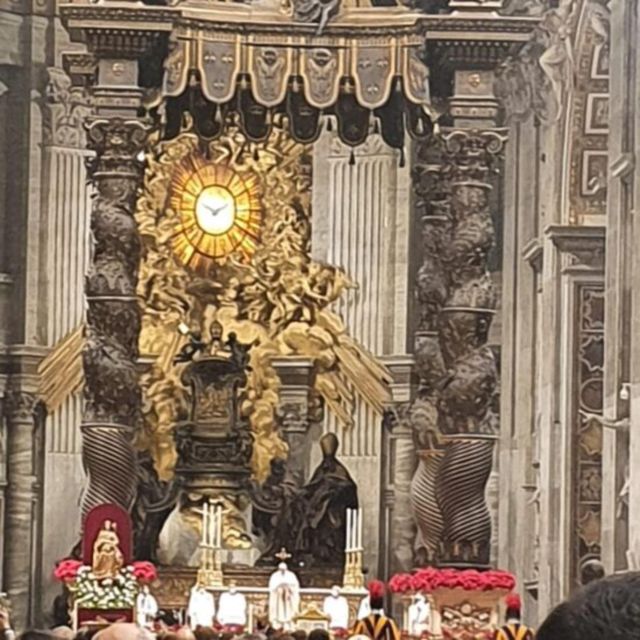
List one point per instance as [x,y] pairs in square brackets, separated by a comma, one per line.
[430,579]
[119,592]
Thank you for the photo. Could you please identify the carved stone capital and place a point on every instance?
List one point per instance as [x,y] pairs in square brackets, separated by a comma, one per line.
[472,154]
[67,109]
[117,144]
[19,405]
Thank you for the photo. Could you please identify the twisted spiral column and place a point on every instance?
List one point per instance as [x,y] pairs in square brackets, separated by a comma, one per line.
[112,393]
[432,205]
[465,417]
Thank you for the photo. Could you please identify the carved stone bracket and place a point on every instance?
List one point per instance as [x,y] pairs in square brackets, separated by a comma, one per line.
[112,394]
[583,247]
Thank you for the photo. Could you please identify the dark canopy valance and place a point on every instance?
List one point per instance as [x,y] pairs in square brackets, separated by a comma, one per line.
[378,79]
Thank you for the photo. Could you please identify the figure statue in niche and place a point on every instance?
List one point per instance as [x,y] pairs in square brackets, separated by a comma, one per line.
[107,557]
[322,506]
[312,521]
[154,503]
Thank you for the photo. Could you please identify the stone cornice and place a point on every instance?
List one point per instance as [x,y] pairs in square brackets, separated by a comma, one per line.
[22,360]
[488,31]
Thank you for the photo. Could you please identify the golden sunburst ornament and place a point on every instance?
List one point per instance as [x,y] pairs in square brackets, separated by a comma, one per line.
[218,212]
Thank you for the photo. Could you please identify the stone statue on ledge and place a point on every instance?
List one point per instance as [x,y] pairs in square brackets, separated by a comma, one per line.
[309,521]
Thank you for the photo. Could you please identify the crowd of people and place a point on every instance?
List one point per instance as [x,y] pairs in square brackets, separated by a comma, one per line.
[605,609]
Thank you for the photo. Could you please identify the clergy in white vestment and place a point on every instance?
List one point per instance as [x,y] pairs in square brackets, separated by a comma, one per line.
[284,598]
[232,608]
[201,609]
[337,608]
[419,612]
[146,608]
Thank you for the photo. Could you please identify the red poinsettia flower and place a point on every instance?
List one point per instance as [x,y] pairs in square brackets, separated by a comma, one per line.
[429,579]
[67,570]
[401,583]
[144,571]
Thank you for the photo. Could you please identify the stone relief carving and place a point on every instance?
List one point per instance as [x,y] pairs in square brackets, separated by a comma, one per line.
[540,77]
[67,109]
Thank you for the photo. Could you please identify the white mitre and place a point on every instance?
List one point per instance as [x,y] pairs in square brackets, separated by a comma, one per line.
[232,608]
[202,608]
[337,608]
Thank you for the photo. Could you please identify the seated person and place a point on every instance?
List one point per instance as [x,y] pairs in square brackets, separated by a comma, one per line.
[607,609]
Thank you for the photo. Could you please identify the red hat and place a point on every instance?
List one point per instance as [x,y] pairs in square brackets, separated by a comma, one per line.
[376,589]
[513,602]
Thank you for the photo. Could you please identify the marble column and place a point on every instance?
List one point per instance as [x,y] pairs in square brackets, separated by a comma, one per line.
[397,527]
[296,411]
[111,392]
[24,437]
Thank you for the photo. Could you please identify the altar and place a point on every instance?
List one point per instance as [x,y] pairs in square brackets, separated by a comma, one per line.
[174,585]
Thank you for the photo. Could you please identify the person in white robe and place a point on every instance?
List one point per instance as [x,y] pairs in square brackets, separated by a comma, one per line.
[146,608]
[201,609]
[284,598]
[337,608]
[232,608]
[418,614]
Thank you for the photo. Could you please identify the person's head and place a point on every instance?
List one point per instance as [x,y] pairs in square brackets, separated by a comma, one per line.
[299,634]
[376,595]
[319,634]
[282,567]
[608,609]
[335,591]
[205,633]
[329,444]
[591,570]
[514,606]
[123,631]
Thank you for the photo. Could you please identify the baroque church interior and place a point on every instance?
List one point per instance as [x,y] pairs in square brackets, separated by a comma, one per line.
[298,294]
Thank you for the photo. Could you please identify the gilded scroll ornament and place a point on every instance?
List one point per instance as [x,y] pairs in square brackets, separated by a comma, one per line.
[277,300]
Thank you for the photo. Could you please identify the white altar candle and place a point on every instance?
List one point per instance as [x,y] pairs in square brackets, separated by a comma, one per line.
[349,513]
[212,525]
[205,518]
[360,518]
[219,536]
